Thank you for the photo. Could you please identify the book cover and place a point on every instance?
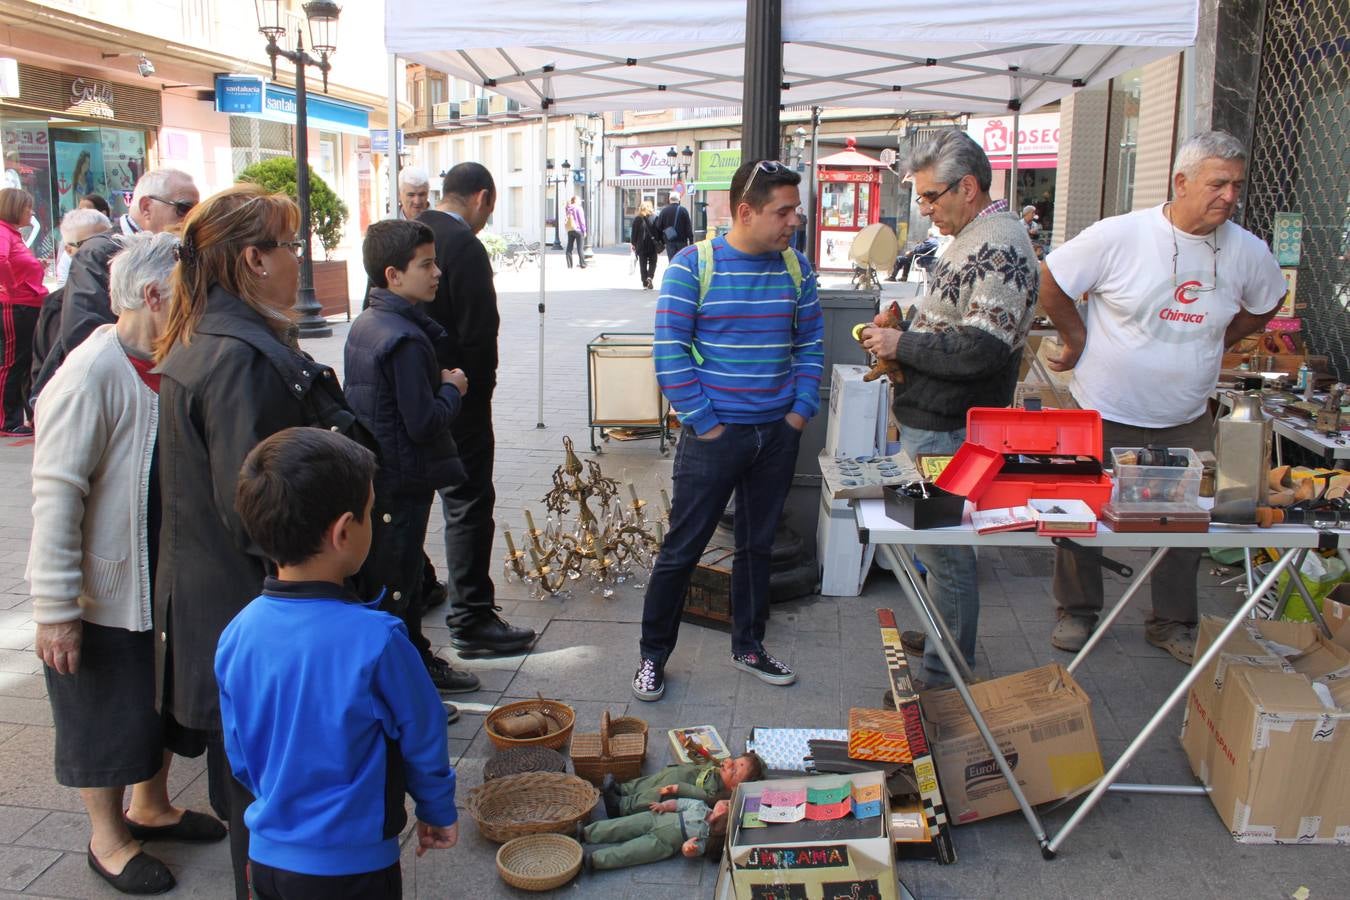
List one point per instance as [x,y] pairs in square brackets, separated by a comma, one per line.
[697,743]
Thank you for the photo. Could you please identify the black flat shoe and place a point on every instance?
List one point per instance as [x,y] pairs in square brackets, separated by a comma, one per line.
[490,634]
[194,828]
[143,874]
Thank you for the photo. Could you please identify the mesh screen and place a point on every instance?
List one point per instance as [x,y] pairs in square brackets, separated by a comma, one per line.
[1301,160]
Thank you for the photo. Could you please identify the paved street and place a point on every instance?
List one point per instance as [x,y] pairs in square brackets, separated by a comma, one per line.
[1132,846]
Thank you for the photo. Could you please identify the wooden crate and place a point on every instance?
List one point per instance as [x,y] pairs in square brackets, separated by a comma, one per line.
[707,601]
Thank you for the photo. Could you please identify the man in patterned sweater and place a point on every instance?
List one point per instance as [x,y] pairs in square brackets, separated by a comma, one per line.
[963,348]
[738,353]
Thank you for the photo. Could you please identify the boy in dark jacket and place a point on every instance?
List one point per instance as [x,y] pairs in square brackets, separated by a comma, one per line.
[400,393]
[327,716]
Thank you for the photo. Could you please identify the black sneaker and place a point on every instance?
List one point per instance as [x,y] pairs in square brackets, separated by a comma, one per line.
[451,681]
[649,681]
[489,634]
[764,667]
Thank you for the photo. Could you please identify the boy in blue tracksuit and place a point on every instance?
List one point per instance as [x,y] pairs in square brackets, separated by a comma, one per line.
[328,713]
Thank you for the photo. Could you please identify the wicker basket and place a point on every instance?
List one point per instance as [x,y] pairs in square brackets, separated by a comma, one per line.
[539,862]
[519,760]
[629,725]
[534,803]
[596,755]
[563,714]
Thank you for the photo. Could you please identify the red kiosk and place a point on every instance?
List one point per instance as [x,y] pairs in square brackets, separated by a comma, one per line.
[848,199]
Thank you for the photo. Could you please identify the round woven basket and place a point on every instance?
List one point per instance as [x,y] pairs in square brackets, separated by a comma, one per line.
[519,760]
[561,713]
[534,803]
[539,862]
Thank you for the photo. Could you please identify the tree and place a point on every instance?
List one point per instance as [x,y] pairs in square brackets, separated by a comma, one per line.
[327,212]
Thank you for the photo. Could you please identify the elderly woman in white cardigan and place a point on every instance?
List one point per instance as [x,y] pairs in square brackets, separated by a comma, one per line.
[95,531]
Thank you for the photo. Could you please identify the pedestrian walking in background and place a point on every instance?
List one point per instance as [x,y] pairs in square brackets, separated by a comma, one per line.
[646,240]
[21,296]
[232,375]
[574,220]
[675,226]
[92,565]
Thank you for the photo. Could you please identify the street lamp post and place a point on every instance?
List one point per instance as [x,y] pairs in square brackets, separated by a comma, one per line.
[557,204]
[322,16]
[680,162]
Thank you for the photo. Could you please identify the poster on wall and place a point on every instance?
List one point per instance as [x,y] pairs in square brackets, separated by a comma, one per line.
[1288,303]
[1287,236]
[834,247]
[78,172]
[27,166]
[123,164]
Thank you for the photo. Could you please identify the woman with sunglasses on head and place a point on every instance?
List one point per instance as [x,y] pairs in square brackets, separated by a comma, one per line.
[21,295]
[232,375]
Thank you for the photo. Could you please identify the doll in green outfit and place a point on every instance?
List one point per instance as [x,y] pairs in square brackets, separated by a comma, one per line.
[691,781]
[668,827]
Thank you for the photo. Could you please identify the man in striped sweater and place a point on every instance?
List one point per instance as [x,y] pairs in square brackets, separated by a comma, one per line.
[739,356]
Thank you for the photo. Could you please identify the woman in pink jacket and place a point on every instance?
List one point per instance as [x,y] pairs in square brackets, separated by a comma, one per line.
[21,294]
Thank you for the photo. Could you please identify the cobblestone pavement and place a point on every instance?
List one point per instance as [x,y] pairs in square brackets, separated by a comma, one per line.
[1132,846]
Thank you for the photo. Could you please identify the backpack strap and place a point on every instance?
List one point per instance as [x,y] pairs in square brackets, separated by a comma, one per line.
[794,269]
[705,269]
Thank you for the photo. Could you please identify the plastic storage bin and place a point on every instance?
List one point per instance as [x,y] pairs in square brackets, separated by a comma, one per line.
[1156,484]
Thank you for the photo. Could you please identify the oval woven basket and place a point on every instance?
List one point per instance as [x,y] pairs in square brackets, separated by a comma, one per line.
[561,713]
[534,803]
[519,760]
[539,862]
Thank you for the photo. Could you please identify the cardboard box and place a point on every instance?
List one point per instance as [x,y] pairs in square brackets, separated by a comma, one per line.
[844,857]
[1336,610]
[1266,731]
[855,406]
[1042,721]
[878,734]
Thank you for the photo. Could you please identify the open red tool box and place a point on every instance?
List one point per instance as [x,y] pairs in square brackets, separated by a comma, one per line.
[1013,455]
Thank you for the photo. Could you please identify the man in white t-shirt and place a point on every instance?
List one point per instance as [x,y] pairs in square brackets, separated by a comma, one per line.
[1168,288]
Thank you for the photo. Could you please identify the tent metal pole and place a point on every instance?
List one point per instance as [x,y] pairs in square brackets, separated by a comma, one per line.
[811,210]
[391,150]
[543,204]
[1012,179]
[763,84]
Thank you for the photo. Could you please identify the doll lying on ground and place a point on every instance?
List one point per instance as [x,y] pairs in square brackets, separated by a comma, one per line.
[693,781]
[669,827]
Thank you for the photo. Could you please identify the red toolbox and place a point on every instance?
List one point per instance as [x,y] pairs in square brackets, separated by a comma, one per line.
[1046,454]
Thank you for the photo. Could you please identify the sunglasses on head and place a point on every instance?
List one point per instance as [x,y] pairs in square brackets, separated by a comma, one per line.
[182,207]
[768,167]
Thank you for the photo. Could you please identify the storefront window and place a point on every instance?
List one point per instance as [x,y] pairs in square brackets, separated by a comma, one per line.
[254,140]
[1125,93]
[837,205]
[28,166]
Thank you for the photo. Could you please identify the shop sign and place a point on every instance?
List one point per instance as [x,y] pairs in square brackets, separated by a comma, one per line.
[649,161]
[1037,134]
[866,177]
[239,95]
[91,98]
[716,168]
[379,140]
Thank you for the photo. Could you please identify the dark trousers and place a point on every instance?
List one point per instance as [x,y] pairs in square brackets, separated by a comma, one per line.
[396,562]
[469,526]
[229,799]
[574,242]
[1078,581]
[673,247]
[280,884]
[647,265]
[17,324]
[755,462]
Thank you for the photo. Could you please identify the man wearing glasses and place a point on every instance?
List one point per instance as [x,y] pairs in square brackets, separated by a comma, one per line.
[1168,288]
[160,200]
[739,353]
[963,348]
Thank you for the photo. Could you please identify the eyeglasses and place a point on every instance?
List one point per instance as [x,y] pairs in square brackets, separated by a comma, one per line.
[297,247]
[930,198]
[768,167]
[72,246]
[182,207]
[1214,248]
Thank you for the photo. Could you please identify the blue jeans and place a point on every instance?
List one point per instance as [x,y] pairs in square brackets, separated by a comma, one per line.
[755,462]
[952,580]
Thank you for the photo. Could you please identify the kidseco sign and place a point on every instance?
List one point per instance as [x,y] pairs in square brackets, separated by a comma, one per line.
[1037,139]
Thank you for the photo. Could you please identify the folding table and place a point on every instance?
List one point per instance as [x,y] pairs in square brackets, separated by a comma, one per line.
[895,543]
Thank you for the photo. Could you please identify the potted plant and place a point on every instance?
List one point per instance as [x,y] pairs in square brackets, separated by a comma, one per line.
[327,215]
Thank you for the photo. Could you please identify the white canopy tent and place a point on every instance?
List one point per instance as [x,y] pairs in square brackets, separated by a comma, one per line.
[962,56]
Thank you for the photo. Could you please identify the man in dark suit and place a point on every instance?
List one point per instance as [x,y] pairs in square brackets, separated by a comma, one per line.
[675,226]
[466,306]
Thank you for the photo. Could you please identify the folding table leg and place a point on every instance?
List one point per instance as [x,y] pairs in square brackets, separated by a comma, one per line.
[1119,608]
[917,599]
[1048,850]
[934,623]
[1285,592]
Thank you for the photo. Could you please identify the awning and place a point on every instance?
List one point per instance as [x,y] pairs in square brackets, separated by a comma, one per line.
[965,56]
[1025,162]
[255,97]
[640,181]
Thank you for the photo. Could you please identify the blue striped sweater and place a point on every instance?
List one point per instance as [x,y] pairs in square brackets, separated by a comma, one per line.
[760,345]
